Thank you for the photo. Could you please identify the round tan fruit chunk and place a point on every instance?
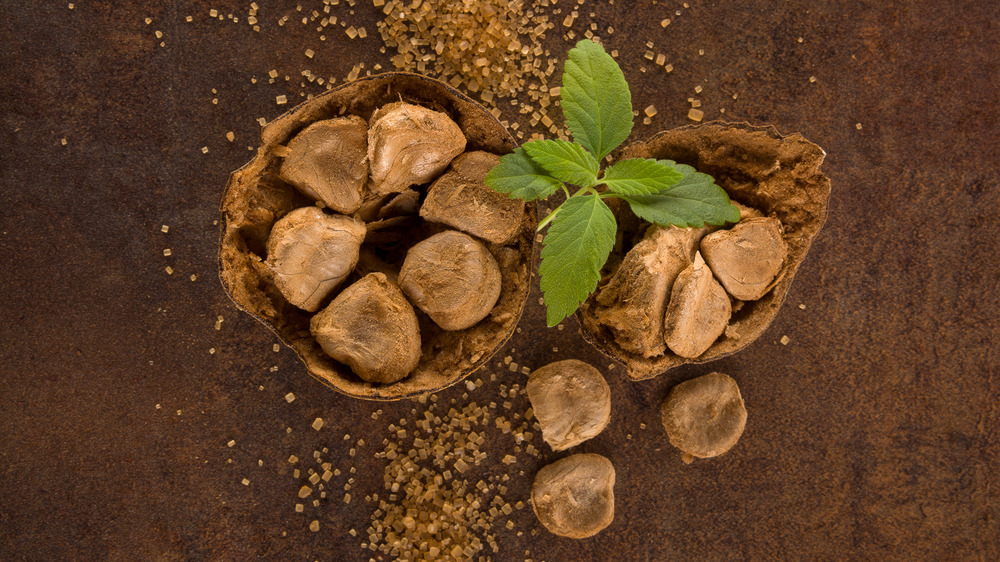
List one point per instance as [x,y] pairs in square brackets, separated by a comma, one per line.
[371,328]
[453,278]
[328,161]
[574,497]
[571,400]
[747,257]
[704,417]
[698,312]
[310,253]
[410,145]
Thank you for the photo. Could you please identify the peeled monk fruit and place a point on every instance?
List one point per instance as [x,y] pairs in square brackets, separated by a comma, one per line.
[310,253]
[747,258]
[632,303]
[371,328]
[257,196]
[698,312]
[704,417]
[766,174]
[574,497]
[328,161]
[571,401]
[461,199]
[410,145]
[453,278]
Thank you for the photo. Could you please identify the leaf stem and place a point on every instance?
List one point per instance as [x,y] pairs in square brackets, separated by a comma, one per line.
[548,219]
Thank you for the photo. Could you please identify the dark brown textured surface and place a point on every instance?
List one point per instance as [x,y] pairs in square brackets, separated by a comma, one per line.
[872,434]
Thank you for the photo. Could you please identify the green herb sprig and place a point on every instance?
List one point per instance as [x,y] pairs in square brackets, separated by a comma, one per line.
[597,107]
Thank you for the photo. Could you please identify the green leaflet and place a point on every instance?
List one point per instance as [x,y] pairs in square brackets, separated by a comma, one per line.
[520,177]
[576,246]
[596,101]
[693,201]
[640,176]
[565,161]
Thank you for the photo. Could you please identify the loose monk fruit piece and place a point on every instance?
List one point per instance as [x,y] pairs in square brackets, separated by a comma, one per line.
[571,400]
[574,497]
[704,417]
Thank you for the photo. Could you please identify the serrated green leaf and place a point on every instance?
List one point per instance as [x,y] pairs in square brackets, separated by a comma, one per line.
[596,101]
[519,176]
[574,250]
[693,201]
[637,176]
[564,160]
[684,169]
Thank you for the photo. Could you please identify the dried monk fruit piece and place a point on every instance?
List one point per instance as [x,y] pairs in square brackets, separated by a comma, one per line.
[571,400]
[371,328]
[698,312]
[310,252]
[747,258]
[410,145]
[574,497]
[328,161]
[453,278]
[704,417]
[634,300]
[461,199]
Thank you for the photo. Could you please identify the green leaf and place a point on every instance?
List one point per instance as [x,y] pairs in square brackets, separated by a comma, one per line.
[595,99]
[638,176]
[518,176]
[693,201]
[684,169]
[564,160]
[574,250]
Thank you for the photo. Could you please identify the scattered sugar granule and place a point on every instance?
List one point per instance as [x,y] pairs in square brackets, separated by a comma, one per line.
[281,100]
[696,114]
[289,398]
[784,340]
[317,424]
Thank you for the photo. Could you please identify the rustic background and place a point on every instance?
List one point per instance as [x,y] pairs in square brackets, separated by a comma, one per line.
[872,434]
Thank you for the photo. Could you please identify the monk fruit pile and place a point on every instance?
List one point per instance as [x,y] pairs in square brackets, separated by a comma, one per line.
[353,167]
[364,235]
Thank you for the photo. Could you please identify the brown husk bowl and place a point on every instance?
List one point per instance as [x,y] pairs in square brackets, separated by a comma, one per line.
[757,166]
[255,199]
